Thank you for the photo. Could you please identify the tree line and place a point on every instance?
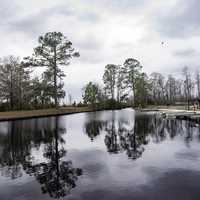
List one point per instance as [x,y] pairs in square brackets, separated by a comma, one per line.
[129,84]
[20,89]
[123,84]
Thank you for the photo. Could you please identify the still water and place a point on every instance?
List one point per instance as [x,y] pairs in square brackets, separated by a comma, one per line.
[108,155]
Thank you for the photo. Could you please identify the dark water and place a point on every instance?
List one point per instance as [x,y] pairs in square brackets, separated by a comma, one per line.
[110,155]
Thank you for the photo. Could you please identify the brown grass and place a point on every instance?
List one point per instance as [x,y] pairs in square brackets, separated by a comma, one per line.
[4,116]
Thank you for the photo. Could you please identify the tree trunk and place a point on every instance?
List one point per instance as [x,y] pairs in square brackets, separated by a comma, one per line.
[55,80]
[11,91]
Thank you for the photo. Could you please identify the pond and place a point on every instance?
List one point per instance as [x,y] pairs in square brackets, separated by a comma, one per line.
[105,155]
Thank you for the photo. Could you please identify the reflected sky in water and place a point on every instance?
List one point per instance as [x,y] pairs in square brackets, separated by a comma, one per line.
[102,155]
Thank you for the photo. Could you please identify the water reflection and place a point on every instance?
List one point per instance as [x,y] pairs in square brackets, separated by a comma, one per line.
[93,128]
[15,148]
[131,135]
[56,176]
[125,136]
[37,150]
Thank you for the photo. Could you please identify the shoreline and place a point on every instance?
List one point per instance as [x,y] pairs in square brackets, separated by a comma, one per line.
[28,114]
[180,114]
[51,112]
[170,110]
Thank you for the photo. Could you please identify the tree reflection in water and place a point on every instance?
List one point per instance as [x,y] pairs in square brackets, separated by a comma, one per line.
[93,128]
[56,176]
[123,136]
[132,135]
[15,150]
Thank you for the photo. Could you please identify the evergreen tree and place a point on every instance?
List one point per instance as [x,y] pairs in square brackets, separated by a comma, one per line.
[91,94]
[131,69]
[54,50]
[109,79]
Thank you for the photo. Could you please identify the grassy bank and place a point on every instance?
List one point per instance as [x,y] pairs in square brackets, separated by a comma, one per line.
[10,115]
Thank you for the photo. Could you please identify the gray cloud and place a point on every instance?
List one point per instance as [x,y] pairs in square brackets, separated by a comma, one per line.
[185,52]
[7,10]
[182,20]
[118,6]
[91,48]
[38,22]
[30,25]
[106,31]
[89,41]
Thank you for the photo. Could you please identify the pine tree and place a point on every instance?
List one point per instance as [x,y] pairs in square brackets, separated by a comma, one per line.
[54,50]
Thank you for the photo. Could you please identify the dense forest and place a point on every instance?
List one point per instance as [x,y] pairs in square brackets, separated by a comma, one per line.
[124,84]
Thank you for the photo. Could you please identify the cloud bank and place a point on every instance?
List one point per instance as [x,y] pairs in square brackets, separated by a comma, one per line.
[106,32]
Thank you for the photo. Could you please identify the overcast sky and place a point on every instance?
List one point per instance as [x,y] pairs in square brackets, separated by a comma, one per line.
[107,31]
